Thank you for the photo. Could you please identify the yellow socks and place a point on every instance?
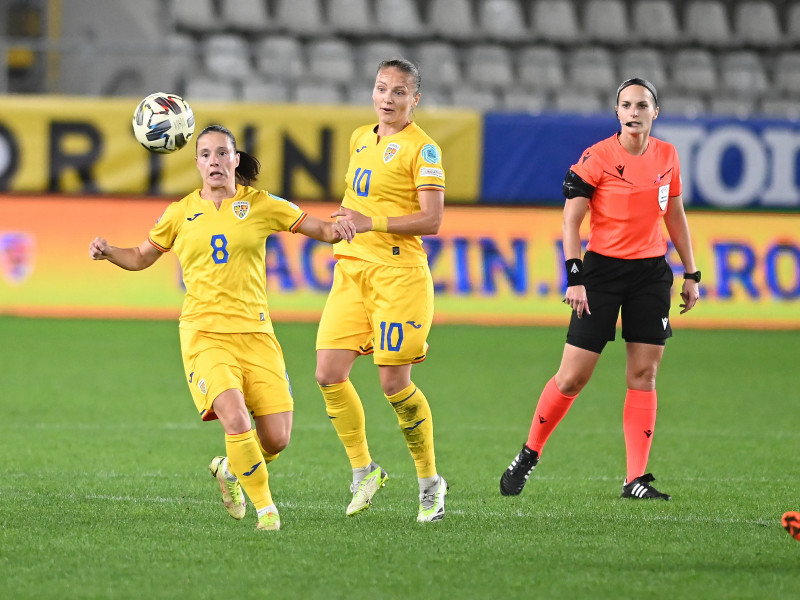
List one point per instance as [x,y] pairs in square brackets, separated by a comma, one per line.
[246,462]
[347,416]
[414,417]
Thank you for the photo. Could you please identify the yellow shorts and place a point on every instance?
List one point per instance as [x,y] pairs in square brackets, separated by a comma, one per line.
[250,362]
[378,309]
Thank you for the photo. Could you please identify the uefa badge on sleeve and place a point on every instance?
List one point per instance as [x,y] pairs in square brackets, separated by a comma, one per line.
[241,208]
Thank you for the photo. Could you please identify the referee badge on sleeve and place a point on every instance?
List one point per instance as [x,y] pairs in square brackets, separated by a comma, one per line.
[663,196]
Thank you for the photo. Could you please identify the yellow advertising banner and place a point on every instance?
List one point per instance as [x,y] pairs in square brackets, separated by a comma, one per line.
[86,146]
[490,265]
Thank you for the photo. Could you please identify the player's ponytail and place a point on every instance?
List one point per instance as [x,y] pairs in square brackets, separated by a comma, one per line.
[248,169]
[249,166]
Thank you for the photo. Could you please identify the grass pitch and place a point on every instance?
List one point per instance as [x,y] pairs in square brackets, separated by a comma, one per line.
[105,494]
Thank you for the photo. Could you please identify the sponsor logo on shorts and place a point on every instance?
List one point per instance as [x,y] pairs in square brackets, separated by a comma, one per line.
[430,172]
[262,317]
[390,152]
[241,208]
[395,251]
[664,322]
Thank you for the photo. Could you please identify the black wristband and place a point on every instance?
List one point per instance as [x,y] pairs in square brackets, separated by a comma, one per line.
[574,271]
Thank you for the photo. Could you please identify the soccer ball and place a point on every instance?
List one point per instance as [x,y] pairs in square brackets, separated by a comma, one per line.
[163,122]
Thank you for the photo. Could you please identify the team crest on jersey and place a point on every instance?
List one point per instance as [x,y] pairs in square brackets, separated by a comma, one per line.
[430,154]
[16,256]
[241,208]
[390,152]
[663,196]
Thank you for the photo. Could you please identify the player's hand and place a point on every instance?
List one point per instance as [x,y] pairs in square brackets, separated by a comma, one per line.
[344,229]
[690,294]
[576,299]
[362,222]
[98,249]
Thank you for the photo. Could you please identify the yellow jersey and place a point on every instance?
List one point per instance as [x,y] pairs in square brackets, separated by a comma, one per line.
[383,179]
[222,255]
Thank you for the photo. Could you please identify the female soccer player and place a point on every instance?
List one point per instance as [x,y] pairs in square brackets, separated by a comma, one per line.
[629,183]
[381,302]
[233,363]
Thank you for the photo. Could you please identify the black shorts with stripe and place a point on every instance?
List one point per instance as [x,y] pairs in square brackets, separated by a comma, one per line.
[638,288]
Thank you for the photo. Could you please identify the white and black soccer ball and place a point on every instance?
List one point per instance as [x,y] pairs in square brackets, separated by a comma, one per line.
[163,122]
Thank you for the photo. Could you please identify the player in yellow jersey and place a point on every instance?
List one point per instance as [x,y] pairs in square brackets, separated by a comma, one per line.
[233,363]
[381,302]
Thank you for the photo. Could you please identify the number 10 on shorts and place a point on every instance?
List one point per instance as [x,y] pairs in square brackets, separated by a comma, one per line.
[391,336]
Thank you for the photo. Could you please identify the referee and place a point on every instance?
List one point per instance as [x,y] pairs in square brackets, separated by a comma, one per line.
[628,183]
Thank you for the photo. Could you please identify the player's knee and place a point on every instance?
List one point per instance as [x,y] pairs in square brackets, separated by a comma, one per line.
[275,442]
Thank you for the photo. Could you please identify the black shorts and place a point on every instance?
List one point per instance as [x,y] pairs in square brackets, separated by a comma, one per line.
[639,287]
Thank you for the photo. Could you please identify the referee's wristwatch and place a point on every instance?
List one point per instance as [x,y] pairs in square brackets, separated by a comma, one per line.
[693,276]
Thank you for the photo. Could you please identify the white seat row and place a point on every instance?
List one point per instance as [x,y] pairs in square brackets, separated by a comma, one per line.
[715,23]
[692,70]
[513,99]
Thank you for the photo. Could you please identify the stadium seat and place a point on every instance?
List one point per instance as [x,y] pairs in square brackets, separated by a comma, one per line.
[489,65]
[247,16]
[742,74]
[656,22]
[211,88]
[438,64]
[227,56]
[502,20]
[780,108]
[358,95]
[351,17]
[195,15]
[786,73]
[728,106]
[181,52]
[370,54]
[280,58]
[591,68]
[435,97]
[317,92]
[605,21]
[707,23]
[331,60]
[792,35]
[643,62]
[583,103]
[756,23]
[694,71]
[399,18]
[555,21]
[522,99]
[541,67]
[682,105]
[259,90]
[476,98]
[452,19]
[301,17]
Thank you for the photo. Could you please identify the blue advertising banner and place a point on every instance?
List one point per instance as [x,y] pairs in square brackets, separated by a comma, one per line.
[725,163]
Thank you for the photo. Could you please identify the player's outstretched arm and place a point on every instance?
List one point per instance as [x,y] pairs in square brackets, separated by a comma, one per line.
[130,259]
[424,222]
[327,231]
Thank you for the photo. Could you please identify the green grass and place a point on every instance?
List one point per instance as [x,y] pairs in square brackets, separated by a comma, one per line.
[104,491]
